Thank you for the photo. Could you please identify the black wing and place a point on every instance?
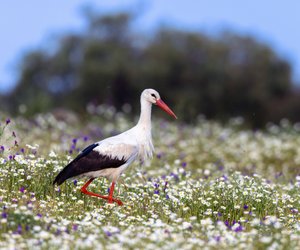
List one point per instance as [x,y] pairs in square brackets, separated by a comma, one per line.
[87,161]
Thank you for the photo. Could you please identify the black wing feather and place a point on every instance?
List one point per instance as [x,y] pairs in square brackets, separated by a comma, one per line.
[86,151]
[87,161]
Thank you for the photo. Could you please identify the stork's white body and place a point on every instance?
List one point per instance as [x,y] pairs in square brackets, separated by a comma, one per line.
[135,143]
[131,145]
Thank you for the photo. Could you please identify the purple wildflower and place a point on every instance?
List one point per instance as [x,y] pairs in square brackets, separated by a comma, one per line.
[10,157]
[2,148]
[167,197]
[19,230]
[239,228]
[85,138]
[74,140]
[156,191]
[227,224]
[22,189]
[75,182]
[219,165]
[7,121]
[217,238]
[39,215]
[4,215]
[246,207]
[166,185]
[14,134]
[225,177]
[294,210]
[22,150]
[219,214]
[75,227]
[175,176]
[183,164]
[108,233]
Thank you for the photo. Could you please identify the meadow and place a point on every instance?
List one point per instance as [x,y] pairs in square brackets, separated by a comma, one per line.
[209,186]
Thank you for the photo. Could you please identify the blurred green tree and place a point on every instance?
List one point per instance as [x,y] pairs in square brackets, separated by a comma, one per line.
[221,77]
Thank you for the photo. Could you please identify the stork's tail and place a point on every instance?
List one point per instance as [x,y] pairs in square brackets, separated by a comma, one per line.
[70,170]
[62,176]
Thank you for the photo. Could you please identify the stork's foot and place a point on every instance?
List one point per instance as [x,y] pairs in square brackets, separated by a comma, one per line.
[120,203]
[109,198]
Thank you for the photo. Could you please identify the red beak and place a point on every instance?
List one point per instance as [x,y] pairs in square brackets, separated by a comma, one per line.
[165,107]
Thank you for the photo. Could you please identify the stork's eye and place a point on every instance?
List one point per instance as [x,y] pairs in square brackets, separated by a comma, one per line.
[153,96]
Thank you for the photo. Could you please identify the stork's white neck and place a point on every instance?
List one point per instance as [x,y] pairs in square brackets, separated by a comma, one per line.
[144,131]
[145,116]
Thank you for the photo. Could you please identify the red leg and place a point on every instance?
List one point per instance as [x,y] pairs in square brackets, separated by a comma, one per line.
[109,198]
[111,192]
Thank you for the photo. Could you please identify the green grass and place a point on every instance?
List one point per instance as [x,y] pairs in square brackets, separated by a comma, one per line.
[208,186]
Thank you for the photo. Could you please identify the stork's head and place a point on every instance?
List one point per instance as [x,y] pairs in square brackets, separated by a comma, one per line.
[153,97]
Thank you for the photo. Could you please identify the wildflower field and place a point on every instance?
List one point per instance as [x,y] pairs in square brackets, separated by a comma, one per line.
[209,186]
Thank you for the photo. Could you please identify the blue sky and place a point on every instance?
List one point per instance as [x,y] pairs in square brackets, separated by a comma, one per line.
[25,25]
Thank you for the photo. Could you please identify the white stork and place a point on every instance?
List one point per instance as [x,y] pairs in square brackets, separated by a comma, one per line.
[111,156]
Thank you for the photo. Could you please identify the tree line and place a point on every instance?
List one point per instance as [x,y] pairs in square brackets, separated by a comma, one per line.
[109,62]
